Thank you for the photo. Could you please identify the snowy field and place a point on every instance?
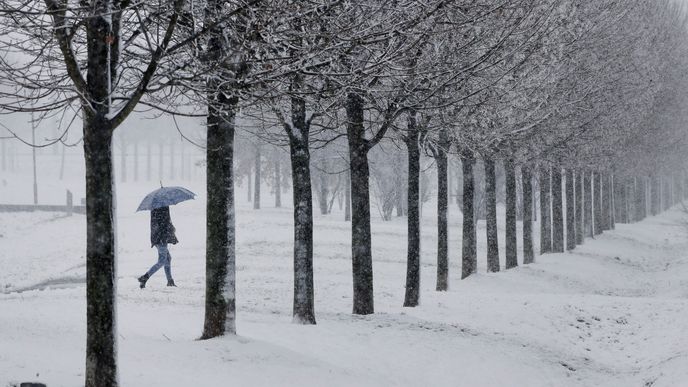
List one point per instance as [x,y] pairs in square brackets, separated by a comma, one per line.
[614,313]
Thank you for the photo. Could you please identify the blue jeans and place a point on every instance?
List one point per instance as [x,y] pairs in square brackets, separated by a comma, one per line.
[164,259]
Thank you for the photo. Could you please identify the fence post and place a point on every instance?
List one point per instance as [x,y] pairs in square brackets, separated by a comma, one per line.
[70,203]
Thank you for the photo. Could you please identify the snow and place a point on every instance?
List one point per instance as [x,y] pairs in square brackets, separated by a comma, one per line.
[613,313]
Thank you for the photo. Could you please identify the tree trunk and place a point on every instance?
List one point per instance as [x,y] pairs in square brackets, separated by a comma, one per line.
[347,197]
[678,183]
[101,266]
[620,204]
[278,182]
[491,216]
[667,189]
[655,197]
[605,202]
[469,257]
[639,199]
[557,212]
[323,193]
[220,270]
[101,247]
[631,199]
[612,201]
[361,239]
[535,200]
[62,161]
[412,295]
[545,214]
[249,185]
[510,245]
[304,299]
[527,181]
[459,188]
[256,179]
[588,211]
[442,206]
[399,186]
[597,203]
[570,211]
[579,208]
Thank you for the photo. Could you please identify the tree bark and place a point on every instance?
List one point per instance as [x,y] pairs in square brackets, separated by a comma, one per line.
[412,295]
[510,246]
[361,239]
[639,199]
[400,199]
[620,205]
[491,216]
[304,293]
[678,183]
[101,268]
[62,162]
[249,185]
[570,211]
[631,199]
[597,203]
[101,248]
[442,206]
[256,179]
[655,194]
[605,202]
[545,215]
[323,192]
[220,272]
[579,208]
[612,201]
[527,181]
[278,183]
[469,258]
[588,208]
[347,197]
[557,211]
[667,190]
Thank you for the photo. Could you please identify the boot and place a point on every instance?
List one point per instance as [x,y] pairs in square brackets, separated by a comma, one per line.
[142,280]
[171,283]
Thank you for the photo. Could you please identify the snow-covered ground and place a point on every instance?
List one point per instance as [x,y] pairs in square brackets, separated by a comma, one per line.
[614,313]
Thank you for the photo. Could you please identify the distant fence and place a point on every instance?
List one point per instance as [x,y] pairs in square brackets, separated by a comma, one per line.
[69,208]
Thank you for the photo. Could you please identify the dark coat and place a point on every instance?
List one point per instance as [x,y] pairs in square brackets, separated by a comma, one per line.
[162,230]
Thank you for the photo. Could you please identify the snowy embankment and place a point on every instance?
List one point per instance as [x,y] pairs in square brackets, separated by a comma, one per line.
[614,313]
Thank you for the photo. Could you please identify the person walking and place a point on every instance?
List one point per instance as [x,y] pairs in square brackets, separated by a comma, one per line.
[162,234]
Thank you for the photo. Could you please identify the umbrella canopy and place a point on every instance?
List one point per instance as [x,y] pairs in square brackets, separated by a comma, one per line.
[165,196]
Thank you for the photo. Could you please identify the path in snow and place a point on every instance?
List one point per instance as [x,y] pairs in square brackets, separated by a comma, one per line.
[613,313]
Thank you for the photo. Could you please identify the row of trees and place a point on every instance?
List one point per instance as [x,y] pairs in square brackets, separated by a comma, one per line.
[586,93]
